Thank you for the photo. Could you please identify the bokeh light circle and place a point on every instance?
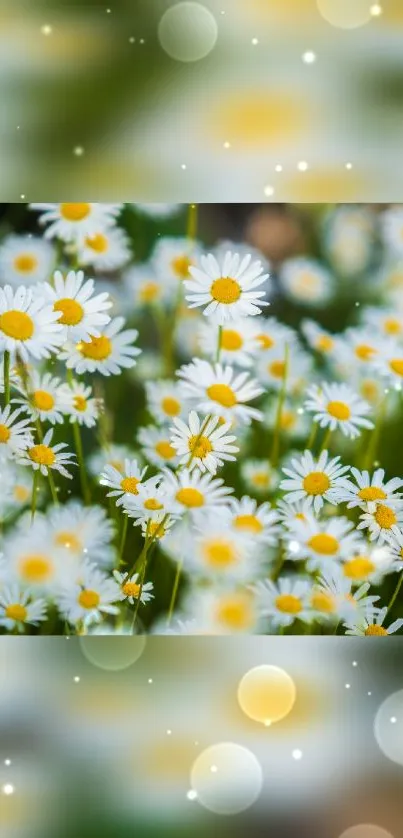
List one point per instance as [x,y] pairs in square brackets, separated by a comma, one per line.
[227,778]
[188,31]
[389,727]
[366,830]
[345,14]
[266,694]
[112,652]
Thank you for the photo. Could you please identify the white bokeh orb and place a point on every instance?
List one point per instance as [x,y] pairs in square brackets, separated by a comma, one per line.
[345,14]
[389,727]
[188,31]
[112,652]
[227,778]
[366,830]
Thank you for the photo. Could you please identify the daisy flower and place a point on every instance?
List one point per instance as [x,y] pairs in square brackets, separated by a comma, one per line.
[45,457]
[389,362]
[25,260]
[368,564]
[15,436]
[81,314]
[158,210]
[259,476]
[157,447]
[107,353]
[392,227]
[239,342]
[78,403]
[284,601]
[165,400]
[194,491]
[260,522]
[18,609]
[105,250]
[172,259]
[17,488]
[275,366]
[314,480]
[384,522]
[74,222]
[322,542]
[44,399]
[395,548]
[32,561]
[289,512]
[387,322]
[228,290]
[273,335]
[113,455]
[369,490]
[28,324]
[124,483]
[349,238]
[349,605]
[143,288]
[306,281]
[323,342]
[372,625]
[336,406]
[231,611]
[203,444]
[81,532]
[150,503]
[158,527]
[130,589]
[220,553]
[88,597]
[221,391]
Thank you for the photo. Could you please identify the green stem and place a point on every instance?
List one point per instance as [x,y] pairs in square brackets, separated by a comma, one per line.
[174,591]
[80,458]
[192,221]
[34,493]
[312,437]
[219,342]
[197,440]
[123,538]
[6,363]
[325,440]
[277,430]
[396,593]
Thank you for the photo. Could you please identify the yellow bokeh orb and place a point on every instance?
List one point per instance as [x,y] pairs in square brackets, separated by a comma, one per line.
[266,694]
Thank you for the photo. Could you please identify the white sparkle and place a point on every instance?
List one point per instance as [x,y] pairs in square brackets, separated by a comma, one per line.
[255,41]
[302,166]
[46,29]
[78,150]
[355,663]
[227,145]
[22,196]
[183,166]
[76,679]
[267,722]
[132,40]
[8,789]
[279,167]
[293,546]
[142,41]
[268,191]
[300,411]
[297,754]
[369,693]
[192,794]
[349,166]
[150,680]
[393,720]
[7,762]
[213,769]
[376,10]
[108,11]
[309,57]
[169,732]
[348,686]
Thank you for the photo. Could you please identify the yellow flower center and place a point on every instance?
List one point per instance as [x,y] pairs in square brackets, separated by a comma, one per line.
[339,410]
[261,479]
[266,342]
[222,394]
[306,281]
[226,290]
[16,611]
[372,493]
[42,454]
[35,568]
[324,343]
[276,368]
[25,263]
[321,601]
[153,504]
[43,400]
[248,522]
[364,352]
[21,493]
[396,366]
[156,529]
[219,554]
[80,403]
[231,340]
[200,446]
[288,420]
[235,613]
[324,543]
[17,324]
[72,311]
[88,599]
[190,497]
[316,483]
[180,266]
[98,242]
[392,326]
[288,604]
[129,485]
[5,433]
[131,589]
[149,292]
[385,517]
[369,389]
[98,349]
[75,212]
[358,568]
[165,450]
[375,631]
[68,540]
[171,406]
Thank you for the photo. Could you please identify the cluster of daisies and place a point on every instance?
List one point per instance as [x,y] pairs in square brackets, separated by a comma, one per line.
[250,498]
